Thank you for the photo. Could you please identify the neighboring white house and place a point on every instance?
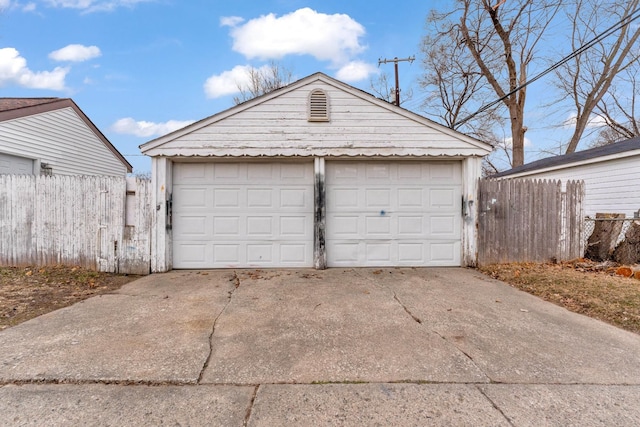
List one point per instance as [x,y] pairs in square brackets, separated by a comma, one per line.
[317,173]
[53,136]
[611,174]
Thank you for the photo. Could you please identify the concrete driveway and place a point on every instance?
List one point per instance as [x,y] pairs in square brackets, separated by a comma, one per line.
[304,347]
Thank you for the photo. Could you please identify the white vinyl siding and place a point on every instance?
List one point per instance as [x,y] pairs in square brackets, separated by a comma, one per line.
[61,139]
[611,186]
[230,215]
[393,213]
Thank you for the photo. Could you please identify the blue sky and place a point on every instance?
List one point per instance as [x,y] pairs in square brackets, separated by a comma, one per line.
[142,68]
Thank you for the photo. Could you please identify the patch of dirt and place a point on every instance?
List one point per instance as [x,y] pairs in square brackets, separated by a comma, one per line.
[583,287]
[26,293]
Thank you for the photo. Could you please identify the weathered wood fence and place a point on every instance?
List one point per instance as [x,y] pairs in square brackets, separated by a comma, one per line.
[100,223]
[524,220]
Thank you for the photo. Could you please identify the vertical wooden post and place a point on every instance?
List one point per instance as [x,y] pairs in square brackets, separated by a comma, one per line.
[319,217]
[161,241]
[470,172]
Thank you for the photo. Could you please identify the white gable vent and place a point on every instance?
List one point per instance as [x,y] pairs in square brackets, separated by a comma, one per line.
[318,106]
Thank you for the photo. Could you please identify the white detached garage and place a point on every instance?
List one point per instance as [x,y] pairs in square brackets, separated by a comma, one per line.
[316,174]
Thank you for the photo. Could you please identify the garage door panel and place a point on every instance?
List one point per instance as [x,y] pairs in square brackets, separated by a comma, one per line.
[191,225]
[295,226]
[410,226]
[259,253]
[191,253]
[292,253]
[225,254]
[378,198]
[344,226]
[344,253]
[411,252]
[227,198]
[378,226]
[248,214]
[196,173]
[293,198]
[378,253]
[410,198]
[446,173]
[194,197]
[445,226]
[344,198]
[393,213]
[259,226]
[444,252]
[260,198]
[442,198]
[292,172]
[224,226]
[378,171]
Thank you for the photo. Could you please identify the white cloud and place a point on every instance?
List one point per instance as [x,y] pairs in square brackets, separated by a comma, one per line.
[230,21]
[508,143]
[29,7]
[594,122]
[13,69]
[129,126]
[94,5]
[4,4]
[355,71]
[334,38]
[75,53]
[228,82]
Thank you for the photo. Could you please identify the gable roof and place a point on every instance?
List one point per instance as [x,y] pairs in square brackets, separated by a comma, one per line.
[163,145]
[15,108]
[617,149]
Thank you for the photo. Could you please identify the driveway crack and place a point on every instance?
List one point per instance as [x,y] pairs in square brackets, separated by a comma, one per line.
[497,408]
[247,416]
[235,279]
[406,309]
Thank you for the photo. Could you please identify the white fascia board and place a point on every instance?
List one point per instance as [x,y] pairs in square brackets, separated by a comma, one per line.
[315,152]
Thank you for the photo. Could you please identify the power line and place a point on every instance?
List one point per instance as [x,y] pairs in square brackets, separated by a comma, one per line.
[395,61]
[621,24]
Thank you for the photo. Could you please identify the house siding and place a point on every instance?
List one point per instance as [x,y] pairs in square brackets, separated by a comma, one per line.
[61,139]
[357,126]
[610,186]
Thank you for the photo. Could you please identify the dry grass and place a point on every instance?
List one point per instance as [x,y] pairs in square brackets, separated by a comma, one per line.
[29,292]
[598,294]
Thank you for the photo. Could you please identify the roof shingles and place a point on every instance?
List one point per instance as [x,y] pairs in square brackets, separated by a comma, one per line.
[576,157]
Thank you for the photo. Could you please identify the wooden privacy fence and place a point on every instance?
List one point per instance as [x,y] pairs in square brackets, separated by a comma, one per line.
[522,220]
[100,223]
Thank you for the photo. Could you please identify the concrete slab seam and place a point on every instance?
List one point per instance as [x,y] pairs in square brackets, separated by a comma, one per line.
[496,407]
[102,382]
[247,416]
[236,282]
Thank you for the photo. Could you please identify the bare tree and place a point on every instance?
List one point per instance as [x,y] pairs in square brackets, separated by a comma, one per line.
[618,108]
[589,80]
[263,80]
[502,40]
[383,88]
[454,85]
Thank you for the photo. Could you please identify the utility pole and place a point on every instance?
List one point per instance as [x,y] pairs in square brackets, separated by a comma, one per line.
[395,61]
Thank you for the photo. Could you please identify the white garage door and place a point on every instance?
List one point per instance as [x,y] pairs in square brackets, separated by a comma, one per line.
[15,165]
[393,213]
[242,215]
